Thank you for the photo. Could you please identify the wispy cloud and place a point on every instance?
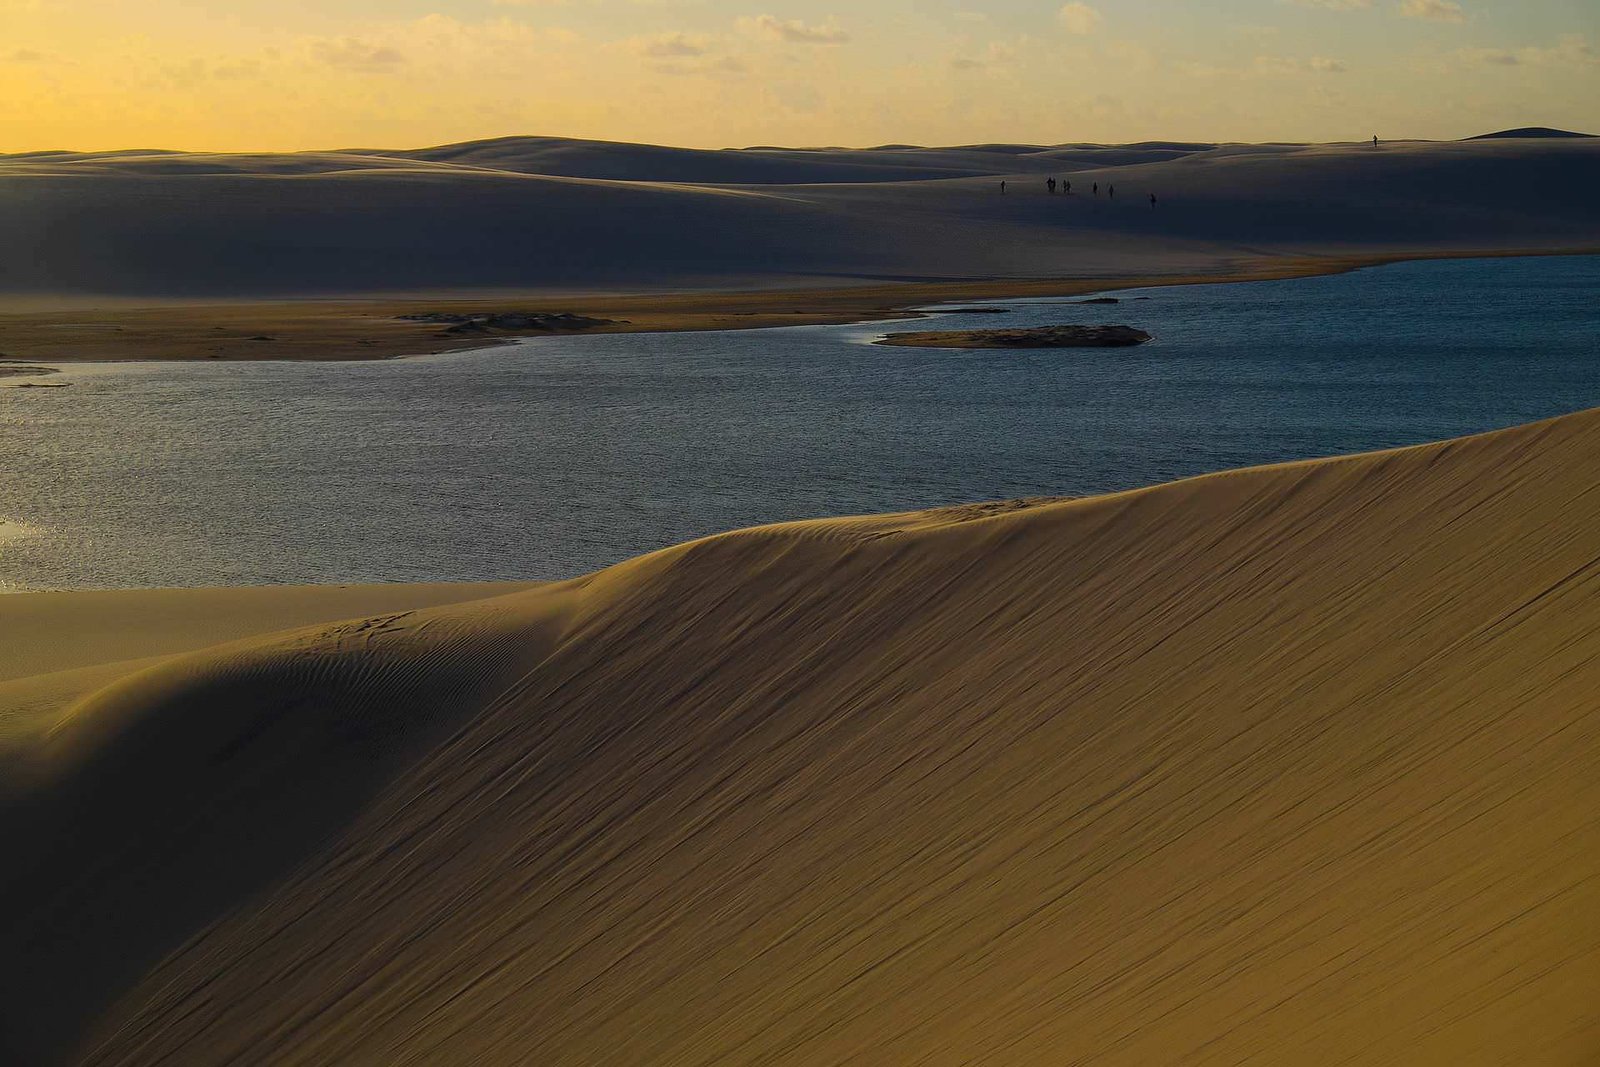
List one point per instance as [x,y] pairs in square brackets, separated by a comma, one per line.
[795,31]
[671,45]
[1292,65]
[704,66]
[997,54]
[1079,18]
[1433,10]
[1572,50]
[354,54]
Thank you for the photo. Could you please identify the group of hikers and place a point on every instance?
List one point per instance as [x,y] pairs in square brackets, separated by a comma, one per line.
[1052,185]
[1065,186]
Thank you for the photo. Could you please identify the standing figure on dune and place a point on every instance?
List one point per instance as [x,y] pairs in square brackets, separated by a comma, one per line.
[1067,188]
[1152,200]
[1050,183]
[1111,192]
[1374,140]
[1002,188]
[1096,188]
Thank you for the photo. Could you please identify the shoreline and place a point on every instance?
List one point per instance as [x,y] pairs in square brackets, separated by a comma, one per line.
[370,329]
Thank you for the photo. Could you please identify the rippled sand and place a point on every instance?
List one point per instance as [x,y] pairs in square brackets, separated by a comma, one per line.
[1295,764]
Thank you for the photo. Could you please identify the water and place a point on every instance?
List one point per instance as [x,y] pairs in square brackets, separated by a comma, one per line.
[560,455]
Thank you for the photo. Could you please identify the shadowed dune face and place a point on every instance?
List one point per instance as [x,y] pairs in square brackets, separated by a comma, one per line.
[265,749]
[541,213]
[1290,765]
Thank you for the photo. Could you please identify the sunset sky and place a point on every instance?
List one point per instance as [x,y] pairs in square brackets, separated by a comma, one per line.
[301,74]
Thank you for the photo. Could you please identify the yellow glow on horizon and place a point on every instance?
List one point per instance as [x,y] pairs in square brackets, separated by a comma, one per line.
[92,74]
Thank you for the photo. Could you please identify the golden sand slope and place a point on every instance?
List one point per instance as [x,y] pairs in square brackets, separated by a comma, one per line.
[58,647]
[1296,765]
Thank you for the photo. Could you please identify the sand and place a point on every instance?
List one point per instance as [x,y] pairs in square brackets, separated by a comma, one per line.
[60,647]
[313,255]
[376,329]
[1291,765]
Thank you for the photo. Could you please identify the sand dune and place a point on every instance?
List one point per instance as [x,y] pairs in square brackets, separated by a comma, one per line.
[60,647]
[547,214]
[1287,765]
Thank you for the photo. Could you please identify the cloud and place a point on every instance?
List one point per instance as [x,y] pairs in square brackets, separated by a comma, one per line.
[1572,50]
[24,55]
[443,38]
[1281,65]
[1493,56]
[725,66]
[996,54]
[793,31]
[354,54]
[1433,10]
[674,45]
[1079,18]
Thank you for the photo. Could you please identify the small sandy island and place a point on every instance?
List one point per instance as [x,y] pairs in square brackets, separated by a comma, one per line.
[1023,337]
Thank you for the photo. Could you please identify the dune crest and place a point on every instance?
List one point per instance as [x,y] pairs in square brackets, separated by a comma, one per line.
[1287,765]
[531,213]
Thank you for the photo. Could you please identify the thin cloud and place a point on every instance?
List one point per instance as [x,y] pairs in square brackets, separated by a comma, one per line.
[1433,10]
[671,45]
[793,31]
[998,53]
[722,66]
[1572,50]
[1079,18]
[354,54]
[1290,65]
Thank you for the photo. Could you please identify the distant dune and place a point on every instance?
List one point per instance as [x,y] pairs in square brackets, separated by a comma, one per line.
[1527,132]
[531,213]
[1294,765]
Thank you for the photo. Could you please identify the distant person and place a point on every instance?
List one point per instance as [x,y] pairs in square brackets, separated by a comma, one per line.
[1152,200]
[1068,189]
[1111,191]
[1050,183]
[1374,140]
[1002,188]
[1096,188]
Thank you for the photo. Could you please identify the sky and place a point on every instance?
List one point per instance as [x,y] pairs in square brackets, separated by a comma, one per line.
[282,75]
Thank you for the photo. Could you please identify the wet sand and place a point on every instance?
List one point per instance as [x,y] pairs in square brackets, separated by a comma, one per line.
[367,329]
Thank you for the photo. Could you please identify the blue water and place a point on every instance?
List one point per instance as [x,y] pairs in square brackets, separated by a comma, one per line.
[559,455]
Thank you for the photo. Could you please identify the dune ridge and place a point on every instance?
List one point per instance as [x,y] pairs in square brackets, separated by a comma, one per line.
[544,214]
[1286,765]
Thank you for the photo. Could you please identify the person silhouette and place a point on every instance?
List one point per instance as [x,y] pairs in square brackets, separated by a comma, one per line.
[1002,188]
[1068,189]
[1152,199]
[1374,140]
[1111,191]
[1096,188]
[1050,183]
